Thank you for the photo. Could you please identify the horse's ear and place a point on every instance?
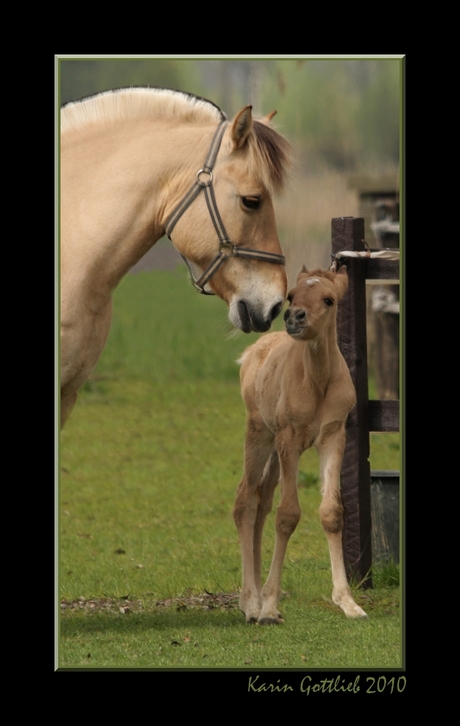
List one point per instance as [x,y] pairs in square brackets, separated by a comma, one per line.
[266,119]
[241,127]
[341,281]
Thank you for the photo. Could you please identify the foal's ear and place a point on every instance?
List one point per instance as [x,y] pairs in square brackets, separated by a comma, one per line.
[303,273]
[341,281]
[241,127]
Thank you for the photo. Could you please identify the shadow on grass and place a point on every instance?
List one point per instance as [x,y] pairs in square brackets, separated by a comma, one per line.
[160,620]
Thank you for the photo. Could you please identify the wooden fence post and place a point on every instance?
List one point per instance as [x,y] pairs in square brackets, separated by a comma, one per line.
[367,416]
[348,234]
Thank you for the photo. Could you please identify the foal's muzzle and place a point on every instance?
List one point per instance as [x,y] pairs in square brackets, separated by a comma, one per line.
[294,321]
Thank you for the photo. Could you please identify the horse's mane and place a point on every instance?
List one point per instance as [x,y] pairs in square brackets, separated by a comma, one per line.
[137,103]
[269,151]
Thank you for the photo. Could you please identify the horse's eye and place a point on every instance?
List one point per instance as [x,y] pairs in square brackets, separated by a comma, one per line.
[251,202]
[328,301]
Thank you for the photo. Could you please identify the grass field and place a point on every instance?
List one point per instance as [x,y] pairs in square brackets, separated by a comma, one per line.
[149,464]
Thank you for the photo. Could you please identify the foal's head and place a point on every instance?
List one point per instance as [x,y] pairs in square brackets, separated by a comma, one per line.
[313,302]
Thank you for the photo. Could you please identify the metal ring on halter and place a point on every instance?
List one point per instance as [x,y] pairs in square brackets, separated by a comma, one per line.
[227,245]
[198,180]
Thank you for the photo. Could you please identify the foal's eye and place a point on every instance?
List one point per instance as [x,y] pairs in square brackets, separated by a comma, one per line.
[251,202]
[328,301]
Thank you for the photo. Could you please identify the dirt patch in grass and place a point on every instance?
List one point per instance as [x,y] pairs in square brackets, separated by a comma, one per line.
[205,601]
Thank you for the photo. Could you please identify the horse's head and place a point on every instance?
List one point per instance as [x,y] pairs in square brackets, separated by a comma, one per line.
[230,231]
[313,302]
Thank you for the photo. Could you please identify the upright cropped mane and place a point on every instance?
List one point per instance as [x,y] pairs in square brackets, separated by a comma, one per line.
[269,152]
[138,103]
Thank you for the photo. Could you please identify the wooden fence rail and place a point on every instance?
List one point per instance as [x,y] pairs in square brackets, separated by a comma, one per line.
[348,235]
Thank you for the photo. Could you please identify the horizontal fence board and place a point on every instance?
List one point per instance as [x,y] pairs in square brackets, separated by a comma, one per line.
[377,269]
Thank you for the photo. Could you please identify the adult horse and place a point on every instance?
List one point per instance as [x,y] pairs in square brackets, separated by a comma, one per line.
[133,164]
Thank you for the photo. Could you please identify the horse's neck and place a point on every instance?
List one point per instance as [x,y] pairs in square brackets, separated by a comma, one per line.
[118,187]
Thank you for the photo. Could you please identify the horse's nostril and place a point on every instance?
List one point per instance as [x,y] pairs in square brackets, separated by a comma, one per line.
[245,319]
[300,315]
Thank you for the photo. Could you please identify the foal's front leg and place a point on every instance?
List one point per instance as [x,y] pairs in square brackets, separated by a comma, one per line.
[330,447]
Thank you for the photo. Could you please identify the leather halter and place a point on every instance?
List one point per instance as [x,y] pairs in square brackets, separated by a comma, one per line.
[227,248]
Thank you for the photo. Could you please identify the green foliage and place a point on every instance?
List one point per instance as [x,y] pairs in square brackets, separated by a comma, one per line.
[386,574]
[342,113]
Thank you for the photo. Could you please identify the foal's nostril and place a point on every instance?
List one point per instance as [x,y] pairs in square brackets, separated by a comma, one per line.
[300,315]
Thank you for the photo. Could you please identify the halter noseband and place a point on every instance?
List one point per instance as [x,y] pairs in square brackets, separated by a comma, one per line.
[226,247]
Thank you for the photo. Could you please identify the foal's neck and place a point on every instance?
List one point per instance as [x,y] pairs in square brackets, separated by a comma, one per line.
[321,356]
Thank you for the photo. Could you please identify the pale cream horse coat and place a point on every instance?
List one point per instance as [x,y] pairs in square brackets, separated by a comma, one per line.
[298,392]
[128,158]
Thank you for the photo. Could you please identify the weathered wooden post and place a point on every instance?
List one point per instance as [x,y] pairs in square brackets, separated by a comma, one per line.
[367,416]
[348,234]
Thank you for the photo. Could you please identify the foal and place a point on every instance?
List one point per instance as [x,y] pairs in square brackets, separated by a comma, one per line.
[298,392]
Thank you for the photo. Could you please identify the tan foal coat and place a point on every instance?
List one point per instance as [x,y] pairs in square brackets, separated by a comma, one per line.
[298,392]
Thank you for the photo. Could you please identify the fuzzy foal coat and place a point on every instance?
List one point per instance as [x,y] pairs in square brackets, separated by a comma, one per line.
[298,392]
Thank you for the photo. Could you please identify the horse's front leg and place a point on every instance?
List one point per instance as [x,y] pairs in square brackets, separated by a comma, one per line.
[257,450]
[330,447]
[287,518]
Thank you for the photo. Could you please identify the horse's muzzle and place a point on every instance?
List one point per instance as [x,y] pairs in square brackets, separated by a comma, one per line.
[252,321]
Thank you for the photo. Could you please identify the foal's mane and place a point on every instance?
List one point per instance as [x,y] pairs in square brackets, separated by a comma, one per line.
[269,152]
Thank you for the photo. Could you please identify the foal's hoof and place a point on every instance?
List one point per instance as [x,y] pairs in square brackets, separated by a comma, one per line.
[271,620]
[352,610]
[345,602]
[357,613]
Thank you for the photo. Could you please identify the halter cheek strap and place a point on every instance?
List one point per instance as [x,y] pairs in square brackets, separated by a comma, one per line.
[227,248]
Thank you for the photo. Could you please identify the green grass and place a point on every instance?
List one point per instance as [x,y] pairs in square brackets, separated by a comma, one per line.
[149,464]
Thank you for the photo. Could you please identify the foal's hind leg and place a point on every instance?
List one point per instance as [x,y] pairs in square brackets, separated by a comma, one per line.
[258,445]
[267,489]
[287,518]
[330,449]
